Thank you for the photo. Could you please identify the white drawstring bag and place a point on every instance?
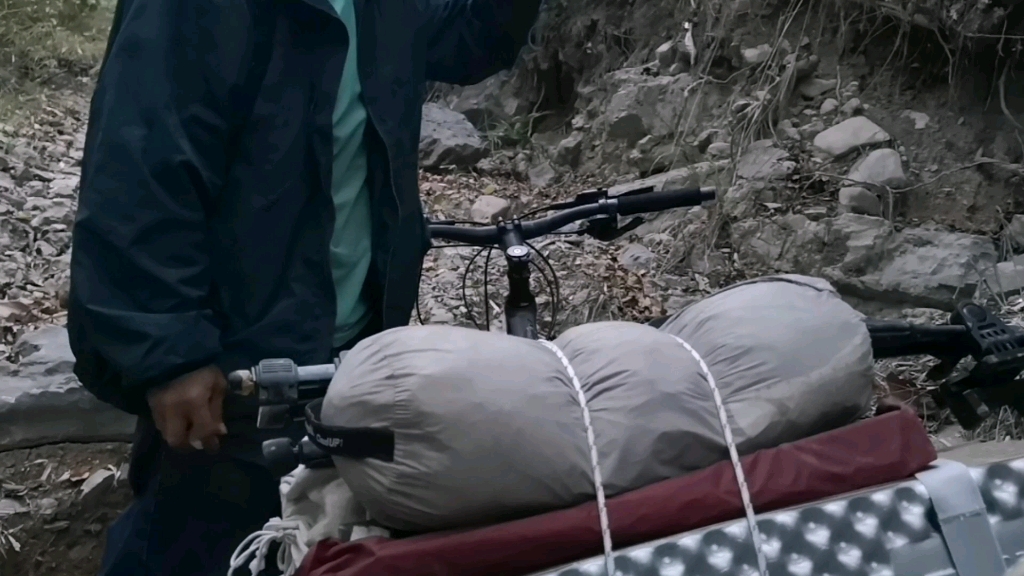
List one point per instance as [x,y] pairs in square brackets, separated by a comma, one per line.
[315,505]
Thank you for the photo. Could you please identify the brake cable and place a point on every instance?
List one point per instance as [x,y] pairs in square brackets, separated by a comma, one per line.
[551,283]
[554,289]
[487,296]
[465,278]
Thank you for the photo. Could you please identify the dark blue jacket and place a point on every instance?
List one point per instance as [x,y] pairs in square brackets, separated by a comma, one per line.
[205,212]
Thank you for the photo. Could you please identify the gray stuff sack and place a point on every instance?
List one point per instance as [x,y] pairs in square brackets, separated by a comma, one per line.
[487,427]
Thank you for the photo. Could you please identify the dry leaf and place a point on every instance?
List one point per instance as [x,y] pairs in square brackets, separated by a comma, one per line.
[14,311]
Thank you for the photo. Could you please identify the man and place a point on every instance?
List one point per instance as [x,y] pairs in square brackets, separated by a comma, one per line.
[249,190]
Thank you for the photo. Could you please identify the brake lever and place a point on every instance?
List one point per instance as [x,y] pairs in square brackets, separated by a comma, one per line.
[607,229]
[583,198]
[596,195]
[998,349]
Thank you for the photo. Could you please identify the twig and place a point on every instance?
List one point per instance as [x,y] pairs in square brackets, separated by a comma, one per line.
[1002,95]
[979,162]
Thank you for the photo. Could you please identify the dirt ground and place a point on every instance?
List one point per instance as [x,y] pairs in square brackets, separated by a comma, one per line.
[62,519]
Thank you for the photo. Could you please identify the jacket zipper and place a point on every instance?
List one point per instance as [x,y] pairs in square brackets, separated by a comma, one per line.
[398,205]
[390,171]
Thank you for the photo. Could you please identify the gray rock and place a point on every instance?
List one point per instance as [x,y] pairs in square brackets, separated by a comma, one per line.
[927,268]
[811,129]
[542,175]
[1015,230]
[667,54]
[859,200]
[489,102]
[636,257]
[646,105]
[64,187]
[26,155]
[764,163]
[719,149]
[626,125]
[1008,278]
[851,107]
[646,144]
[787,128]
[740,201]
[447,138]
[883,167]
[756,55]
[790,243]
[920,119]
[489,209]
[707,261]
[814,87]
[829,106]
[815,213]
[568,151]
[849,135]
[41,401]
[866,258]
[710,136]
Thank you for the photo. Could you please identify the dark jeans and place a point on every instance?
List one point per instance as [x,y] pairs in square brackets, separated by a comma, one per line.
[191,511]
[194,510]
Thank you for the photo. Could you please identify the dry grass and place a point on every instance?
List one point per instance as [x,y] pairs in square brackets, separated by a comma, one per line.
[7,541]
[44,44]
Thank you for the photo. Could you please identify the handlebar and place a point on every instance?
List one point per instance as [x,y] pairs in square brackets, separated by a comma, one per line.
[622,205]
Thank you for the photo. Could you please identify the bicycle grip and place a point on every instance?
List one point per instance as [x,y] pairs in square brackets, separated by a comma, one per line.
[664,200]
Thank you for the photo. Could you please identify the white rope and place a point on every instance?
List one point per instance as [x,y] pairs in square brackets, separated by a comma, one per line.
[602,508]
[291,534]
[741,479]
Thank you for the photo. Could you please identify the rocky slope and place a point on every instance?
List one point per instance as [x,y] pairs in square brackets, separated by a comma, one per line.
[831,160]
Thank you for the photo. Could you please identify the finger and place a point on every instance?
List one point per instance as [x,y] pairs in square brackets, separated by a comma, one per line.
[203,426]
[204,431]
[217,406]
[176,430]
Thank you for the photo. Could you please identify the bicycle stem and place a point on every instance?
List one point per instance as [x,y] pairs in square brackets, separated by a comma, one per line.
[520,303]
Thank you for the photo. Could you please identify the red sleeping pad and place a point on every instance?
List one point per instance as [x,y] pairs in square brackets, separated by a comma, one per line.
[889,447]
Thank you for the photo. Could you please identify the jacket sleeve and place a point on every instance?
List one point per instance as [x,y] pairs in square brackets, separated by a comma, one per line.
[154,161]
[468,41]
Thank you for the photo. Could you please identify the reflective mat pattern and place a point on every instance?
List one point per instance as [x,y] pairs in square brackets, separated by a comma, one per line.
[886,532]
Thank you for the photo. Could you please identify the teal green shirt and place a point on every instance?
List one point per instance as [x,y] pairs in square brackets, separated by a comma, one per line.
[350,243]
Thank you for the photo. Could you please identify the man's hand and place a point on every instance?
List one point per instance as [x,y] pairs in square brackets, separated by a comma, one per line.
[190,410]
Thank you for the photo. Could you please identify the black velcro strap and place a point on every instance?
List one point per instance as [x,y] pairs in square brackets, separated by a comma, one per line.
[358,443]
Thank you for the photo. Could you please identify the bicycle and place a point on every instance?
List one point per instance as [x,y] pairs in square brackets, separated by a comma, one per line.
[285,389]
